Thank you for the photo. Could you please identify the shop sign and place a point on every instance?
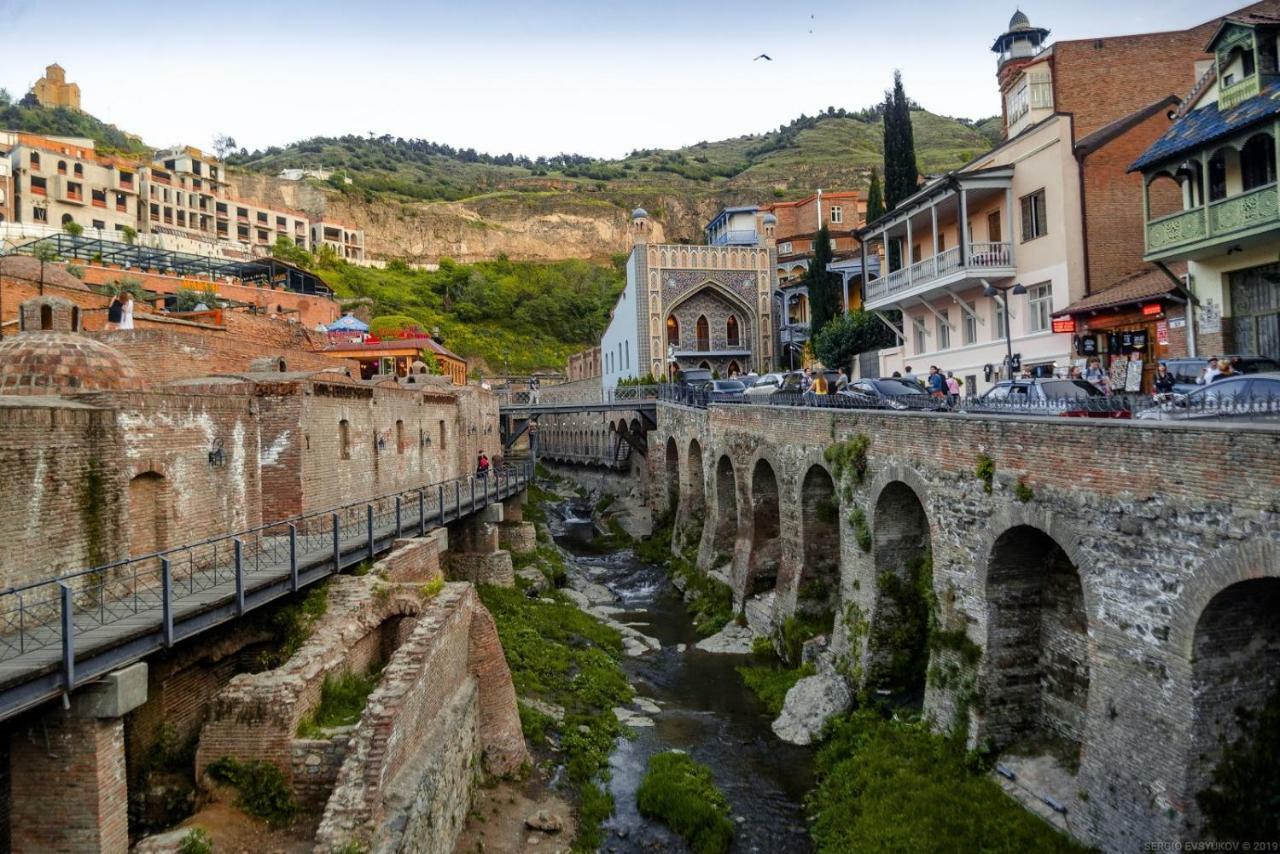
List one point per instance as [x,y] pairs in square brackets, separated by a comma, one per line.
[1162,333]
[1064,324]
[1152,308]
[1177,323]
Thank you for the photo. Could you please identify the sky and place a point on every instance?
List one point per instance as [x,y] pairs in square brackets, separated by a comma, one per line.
[594,77]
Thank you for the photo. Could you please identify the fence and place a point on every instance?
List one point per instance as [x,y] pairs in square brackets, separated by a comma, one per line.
[578,396]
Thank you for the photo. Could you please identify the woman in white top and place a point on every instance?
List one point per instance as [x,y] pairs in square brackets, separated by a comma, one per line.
[126,317]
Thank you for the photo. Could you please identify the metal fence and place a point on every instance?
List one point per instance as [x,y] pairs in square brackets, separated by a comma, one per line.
[552,396]
[52,625]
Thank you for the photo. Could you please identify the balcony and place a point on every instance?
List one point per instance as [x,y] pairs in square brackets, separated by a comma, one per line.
[988,260]
[1206,230]
[736,237]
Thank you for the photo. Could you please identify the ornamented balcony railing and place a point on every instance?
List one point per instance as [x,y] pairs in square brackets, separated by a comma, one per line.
[1238,93]
[1257,207]
[980,256]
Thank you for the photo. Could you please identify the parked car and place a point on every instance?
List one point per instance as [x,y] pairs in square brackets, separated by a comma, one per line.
[695,377]
[777,383]
[1248,397]
[890,393]
[1069,398]
[1187,371]
[721,389]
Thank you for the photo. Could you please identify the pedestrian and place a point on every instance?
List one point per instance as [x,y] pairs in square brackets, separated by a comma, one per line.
[126,311]
[897,375]
[1075,373]
[1211,371]
[953,387]
[1163,380]
[1225,369]
[482,466]
[1094,374]
[115,312]
[909,376]
[534,389]
[936,383]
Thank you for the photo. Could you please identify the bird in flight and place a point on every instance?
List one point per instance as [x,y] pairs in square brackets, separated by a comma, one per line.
[763,56]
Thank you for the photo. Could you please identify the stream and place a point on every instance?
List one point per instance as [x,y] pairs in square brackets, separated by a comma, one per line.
[706,711]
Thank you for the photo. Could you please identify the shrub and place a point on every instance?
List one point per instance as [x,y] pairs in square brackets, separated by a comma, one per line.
[431,589]
[681,794]
[263,792]
[1022,491]
[342,701]
[197,841]
[986,472]
[861,531]
[772,683]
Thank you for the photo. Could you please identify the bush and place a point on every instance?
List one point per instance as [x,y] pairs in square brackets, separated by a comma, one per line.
[342,701]
[263,792]
[896,786]
[197,841]
[771,684]
[681,794]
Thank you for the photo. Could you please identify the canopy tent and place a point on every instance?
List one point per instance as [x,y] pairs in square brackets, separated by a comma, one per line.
[348,323]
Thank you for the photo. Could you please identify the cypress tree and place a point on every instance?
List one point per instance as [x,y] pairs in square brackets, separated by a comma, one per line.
[824,296]
[900,174]
[875,197]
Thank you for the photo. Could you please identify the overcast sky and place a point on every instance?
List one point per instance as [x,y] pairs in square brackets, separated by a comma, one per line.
[596,77]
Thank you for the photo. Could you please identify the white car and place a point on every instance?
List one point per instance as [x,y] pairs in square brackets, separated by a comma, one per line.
[765,385]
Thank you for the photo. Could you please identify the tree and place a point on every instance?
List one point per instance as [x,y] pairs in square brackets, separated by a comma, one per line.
[222,144]
[130,234]
[853,333]
[824,296]
[875,197]
[901,177]
[291,253]
[44,253]
[73,228]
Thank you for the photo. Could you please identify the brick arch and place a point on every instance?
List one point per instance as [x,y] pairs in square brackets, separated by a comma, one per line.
[695,477]
[1227,566]
[726,487]
[765,490]
[671,476]
[1005,517]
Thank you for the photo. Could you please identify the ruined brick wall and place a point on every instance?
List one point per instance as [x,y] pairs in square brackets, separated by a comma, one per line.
[1152,521]
[178,352]
[62,461]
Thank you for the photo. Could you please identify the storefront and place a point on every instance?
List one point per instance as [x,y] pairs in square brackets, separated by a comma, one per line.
[1129,328]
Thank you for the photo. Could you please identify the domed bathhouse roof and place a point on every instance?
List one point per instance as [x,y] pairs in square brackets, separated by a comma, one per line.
[639,213]
[62,363]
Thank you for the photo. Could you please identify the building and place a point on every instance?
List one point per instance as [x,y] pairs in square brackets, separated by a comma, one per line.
[583,365]
[1209,191]
[6,189]
[689,307]
[346,240]
[799,222]
[59,180]
[53,90]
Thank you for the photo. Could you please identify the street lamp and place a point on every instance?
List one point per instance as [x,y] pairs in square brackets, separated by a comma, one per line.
[1002,294]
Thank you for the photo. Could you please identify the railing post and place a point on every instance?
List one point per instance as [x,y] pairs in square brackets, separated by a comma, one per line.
[440,501]
[457,500]
[239,577]
[399,527]
[166,600]
[337,545]
[293,558]
[68,639]
[471,508]
[422,512]
[368,516]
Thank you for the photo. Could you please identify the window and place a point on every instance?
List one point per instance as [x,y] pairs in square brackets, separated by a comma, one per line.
[39,187]
[40,214]
[784,248]
[1001,319]
[1041,90]
[344,439]
[918,324]
[443,434]
[1258,162]
[46,317]
[75,191]
[704,333]
[1018,103]
[731,331]
[35,160]
[673,331]
[915,254]
[78,170]
[837,215]
[1033,216]
[399,436]
[1041,300]
[944,332]
[969,323]
[99,224]
[993,227]
[627,350]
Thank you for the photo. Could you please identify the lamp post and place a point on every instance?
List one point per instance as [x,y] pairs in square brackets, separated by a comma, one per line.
[1002,294]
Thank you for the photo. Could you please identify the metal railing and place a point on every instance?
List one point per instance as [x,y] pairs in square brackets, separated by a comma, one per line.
[981,255]
[52,626]
[586,397]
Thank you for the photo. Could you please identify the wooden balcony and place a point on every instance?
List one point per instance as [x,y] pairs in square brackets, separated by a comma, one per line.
[982,260]
[1207,230]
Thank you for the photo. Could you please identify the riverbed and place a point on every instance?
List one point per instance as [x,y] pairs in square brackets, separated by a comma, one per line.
[705,710]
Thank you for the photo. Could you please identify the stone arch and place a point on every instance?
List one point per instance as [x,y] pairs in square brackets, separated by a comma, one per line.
[766,528]
[898,637]
[818,589]
[671,500]
[1037,668]
[726,532]
[148,522]
[697,503]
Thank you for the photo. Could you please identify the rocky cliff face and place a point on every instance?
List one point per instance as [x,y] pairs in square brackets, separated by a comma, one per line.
[539,226]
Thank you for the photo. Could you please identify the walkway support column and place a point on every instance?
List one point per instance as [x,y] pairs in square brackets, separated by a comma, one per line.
[69,790]
[475,553]
[514,533]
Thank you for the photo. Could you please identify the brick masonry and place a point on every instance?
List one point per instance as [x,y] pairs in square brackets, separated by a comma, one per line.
[1124,610]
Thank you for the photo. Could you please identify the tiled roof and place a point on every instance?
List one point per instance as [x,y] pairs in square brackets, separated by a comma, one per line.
[1202,126]
[1146,284]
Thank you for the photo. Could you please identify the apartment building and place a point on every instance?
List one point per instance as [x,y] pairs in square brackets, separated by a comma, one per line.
[59,180]
[185,193]
[6,181]
[1210,198]
[346,240]
[799,222]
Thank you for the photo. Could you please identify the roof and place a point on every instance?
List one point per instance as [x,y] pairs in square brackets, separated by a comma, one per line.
[58,363]
[414,344]
[1146,284]
[1105,134]
[1247,19]
[1207,124]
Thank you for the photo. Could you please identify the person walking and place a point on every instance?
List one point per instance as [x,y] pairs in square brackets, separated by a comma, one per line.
[936,383]
[126,312]
[1163,380]
[115,312]
[953,388]
[534,389]
[482,465]
[909,376]
[1094,374]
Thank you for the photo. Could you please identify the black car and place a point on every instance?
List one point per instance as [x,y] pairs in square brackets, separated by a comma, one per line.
[1236,398]
[1063,397]
[890,393]
[1187,371]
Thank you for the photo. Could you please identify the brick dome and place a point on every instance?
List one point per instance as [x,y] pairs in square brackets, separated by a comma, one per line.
[61,363]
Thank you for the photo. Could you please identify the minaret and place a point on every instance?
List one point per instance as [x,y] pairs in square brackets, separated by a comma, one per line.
[1018,44]
[639,227]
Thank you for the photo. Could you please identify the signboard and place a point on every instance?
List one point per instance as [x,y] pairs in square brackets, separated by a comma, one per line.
[1064,324]
[1152,308]
[1162,333]
[1177,323]
[1133,376]
[1210,318]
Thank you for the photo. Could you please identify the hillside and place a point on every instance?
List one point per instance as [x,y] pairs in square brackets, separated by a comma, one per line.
[26,115]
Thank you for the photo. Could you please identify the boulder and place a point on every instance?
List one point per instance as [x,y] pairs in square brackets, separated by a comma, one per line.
[810,703]
[731,640]
[545,821]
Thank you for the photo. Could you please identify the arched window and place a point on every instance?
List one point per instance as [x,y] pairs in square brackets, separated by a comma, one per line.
[46,317]
[399,436]
[66,218]
[1218,174]
[731,331]
[344,439]
[704,333]
[1258,162]
[62,167]
[79,170]
[35,160]
[75,318]
[673,331]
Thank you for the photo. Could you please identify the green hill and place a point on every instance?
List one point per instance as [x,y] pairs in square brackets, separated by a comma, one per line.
[27,115]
